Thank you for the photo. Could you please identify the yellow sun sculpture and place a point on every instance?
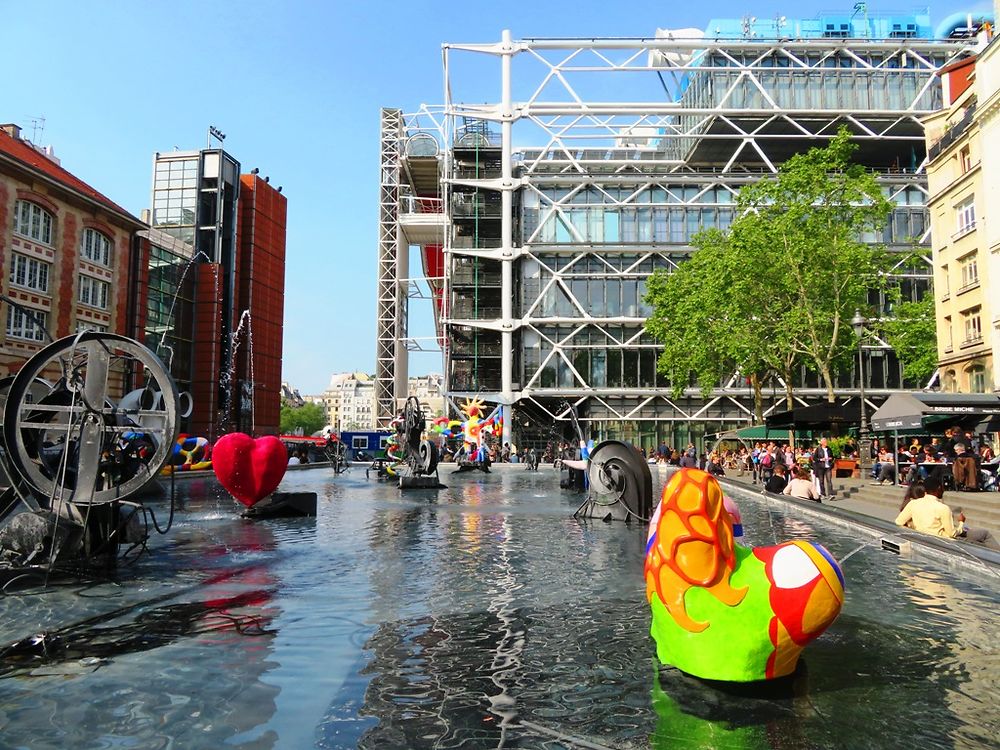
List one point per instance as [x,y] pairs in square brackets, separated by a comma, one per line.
[473,409]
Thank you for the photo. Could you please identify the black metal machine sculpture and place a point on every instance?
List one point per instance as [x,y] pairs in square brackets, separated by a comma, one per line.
[620,485]
[419,454]
[76,456]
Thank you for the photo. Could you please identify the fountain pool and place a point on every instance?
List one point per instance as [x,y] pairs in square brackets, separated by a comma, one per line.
[478,616]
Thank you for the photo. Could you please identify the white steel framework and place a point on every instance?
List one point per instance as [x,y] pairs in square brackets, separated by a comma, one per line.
[548,246]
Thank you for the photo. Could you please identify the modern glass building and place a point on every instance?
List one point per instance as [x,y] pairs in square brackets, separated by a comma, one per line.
[638,145]
[209,288]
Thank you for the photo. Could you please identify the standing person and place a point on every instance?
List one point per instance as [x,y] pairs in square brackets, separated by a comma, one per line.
[767,460]
[822,461]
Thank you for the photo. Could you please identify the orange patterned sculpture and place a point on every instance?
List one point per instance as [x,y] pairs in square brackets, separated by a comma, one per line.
[723,611]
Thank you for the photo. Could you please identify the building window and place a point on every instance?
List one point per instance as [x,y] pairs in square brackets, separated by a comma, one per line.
[95,247]
[29,273]
[977,379]
[33,221]
[965,159]
[945,283]
[970,270]
[359,442]
[965,213]
[93,292]
[21,325]
[950,382]
[86,325]
[973,326]
[948,340]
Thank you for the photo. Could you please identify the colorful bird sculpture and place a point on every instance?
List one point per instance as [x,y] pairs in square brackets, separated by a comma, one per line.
[726,612]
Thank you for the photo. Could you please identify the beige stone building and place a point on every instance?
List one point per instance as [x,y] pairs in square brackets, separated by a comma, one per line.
[429,390]
[963,143]
[349,401]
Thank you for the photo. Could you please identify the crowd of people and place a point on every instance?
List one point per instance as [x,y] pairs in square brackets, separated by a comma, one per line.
[957,460]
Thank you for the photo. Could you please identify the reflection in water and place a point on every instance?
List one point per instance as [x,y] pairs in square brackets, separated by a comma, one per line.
[152,628]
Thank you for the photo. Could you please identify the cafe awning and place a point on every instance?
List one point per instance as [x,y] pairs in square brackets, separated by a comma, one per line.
[756,432]
[817,417]
[924,409]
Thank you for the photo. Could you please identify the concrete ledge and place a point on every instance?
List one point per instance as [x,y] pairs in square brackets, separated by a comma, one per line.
[968,557]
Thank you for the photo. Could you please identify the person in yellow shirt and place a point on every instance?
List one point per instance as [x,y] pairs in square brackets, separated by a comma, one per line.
[929,515]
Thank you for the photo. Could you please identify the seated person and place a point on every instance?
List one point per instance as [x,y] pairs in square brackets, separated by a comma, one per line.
[887,469]
[714,465]
[929,515]
[801,486]
[911,470]
[777,482]
[965,470]
[914,491]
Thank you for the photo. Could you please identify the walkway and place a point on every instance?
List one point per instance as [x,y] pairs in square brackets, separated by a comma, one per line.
[866,501]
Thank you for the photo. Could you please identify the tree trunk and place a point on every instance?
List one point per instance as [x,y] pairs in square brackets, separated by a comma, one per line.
[828,381]
[758,397]
[789,402]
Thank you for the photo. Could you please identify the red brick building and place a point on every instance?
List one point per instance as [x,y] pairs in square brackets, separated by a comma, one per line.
[64,248]
[261,239]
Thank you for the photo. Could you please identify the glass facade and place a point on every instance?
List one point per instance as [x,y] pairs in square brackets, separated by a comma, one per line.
[169,313]
[615,188]
[175,196]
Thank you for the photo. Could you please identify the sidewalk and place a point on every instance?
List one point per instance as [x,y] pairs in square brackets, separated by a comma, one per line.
[867,497]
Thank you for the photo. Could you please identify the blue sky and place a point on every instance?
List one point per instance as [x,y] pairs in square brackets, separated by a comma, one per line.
[297,88]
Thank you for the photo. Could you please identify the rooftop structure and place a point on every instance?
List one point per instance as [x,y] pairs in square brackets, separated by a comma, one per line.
[538,253]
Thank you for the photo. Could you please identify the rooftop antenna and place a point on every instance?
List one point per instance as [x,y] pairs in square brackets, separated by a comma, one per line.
[748,22]
[779,21]
[214,132]
[37,129]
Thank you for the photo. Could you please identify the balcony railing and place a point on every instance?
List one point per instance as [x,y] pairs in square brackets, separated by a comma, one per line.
[414,204]
[962,231]
[952,134]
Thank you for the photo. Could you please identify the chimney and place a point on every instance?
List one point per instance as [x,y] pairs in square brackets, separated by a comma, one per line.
[14,131]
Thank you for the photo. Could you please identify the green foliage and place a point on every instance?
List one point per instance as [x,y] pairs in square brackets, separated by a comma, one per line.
[781,285]
[310,417]
[912,332]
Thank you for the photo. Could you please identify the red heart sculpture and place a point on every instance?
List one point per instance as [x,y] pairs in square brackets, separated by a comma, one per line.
[249,469]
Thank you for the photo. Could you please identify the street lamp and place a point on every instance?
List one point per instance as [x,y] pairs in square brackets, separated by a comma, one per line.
[858,323]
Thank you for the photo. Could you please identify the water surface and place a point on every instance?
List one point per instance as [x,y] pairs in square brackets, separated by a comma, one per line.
[479,616]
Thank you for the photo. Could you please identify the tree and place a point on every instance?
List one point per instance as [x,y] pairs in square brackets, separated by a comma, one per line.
[912,332]
[310,417]
[815,217]
[774,290]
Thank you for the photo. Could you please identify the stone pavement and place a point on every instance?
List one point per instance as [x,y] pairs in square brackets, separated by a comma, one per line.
[867,497]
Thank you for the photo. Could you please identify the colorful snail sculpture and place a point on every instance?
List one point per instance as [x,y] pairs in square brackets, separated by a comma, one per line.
[726,612]
[190,454]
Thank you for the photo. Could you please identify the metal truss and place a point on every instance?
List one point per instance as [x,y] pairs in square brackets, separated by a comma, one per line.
[389,304]
[696,119]
[408,142]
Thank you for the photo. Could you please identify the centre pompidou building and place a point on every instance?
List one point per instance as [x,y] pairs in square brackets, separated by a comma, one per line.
[542,213]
